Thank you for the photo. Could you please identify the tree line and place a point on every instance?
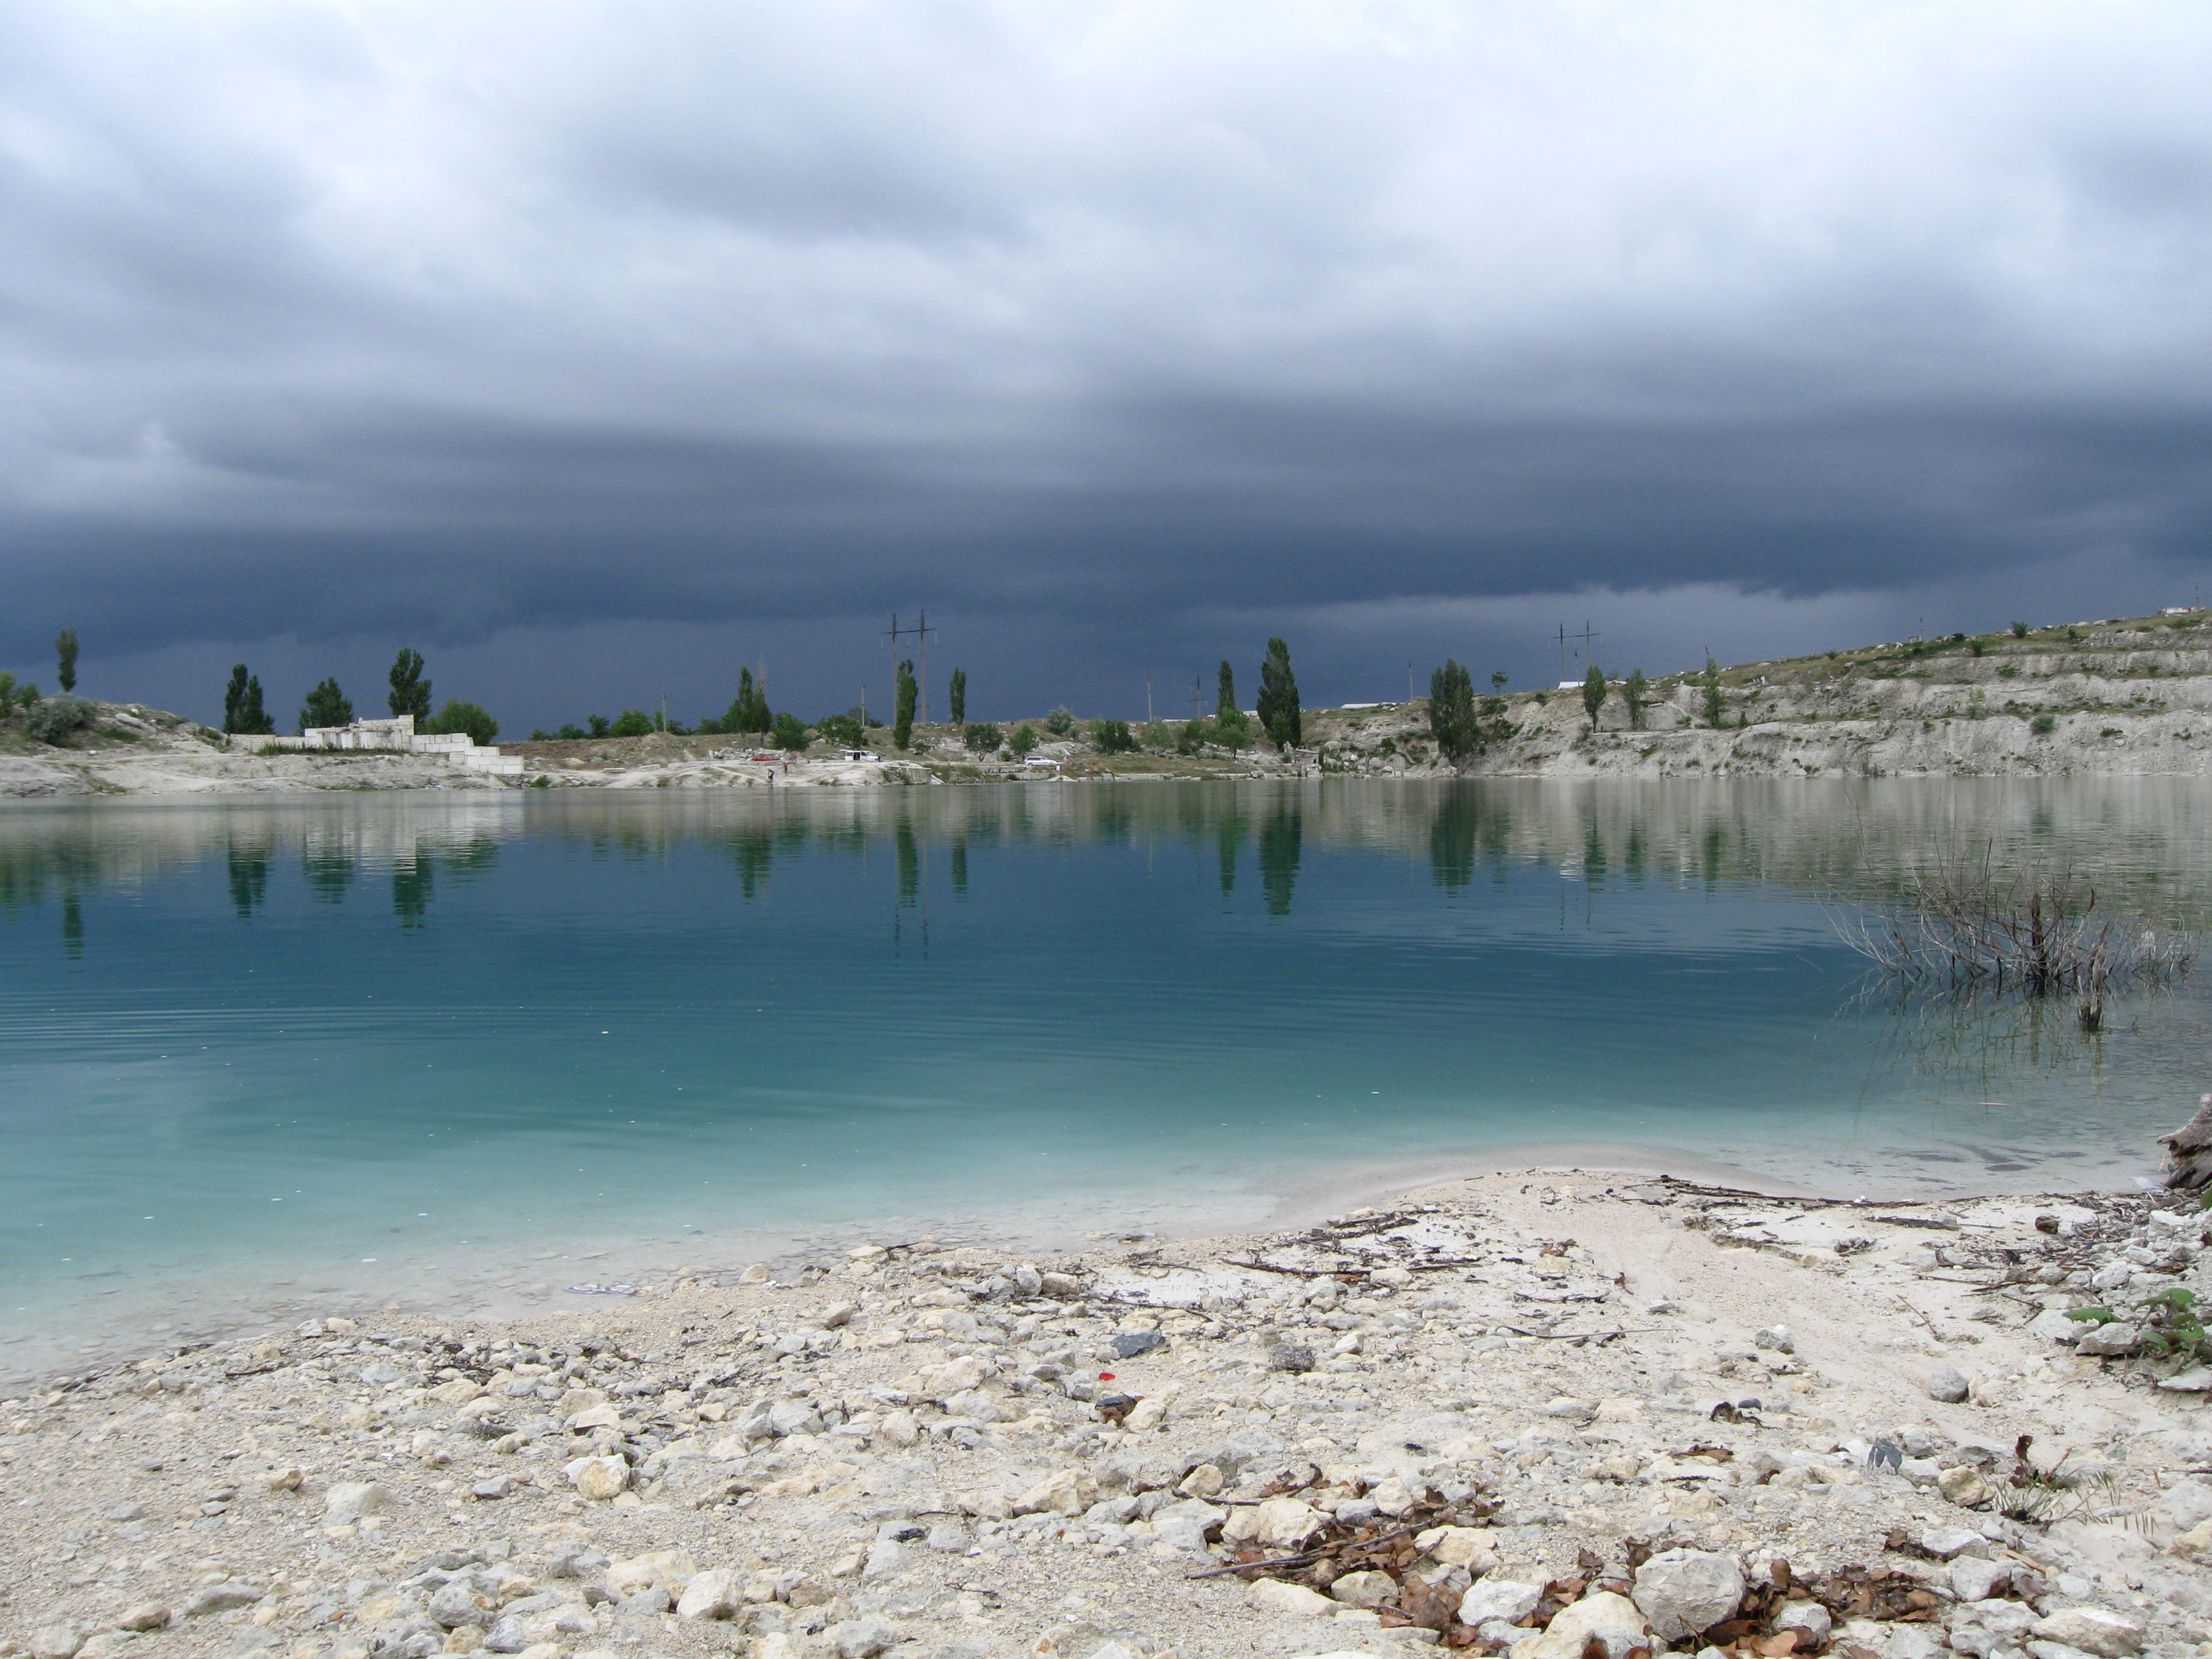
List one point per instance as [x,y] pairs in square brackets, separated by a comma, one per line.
[246,710]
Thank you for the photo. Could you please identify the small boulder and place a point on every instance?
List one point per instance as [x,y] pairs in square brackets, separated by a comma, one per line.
[1290,1601]
[1976,1578]
[1364,1590]
[719,1593]
[349,1500]
[1506,1600]
[1946,1542]
[1614,1622]
[221,1598]
[54,1642]
[2115,1340]
[1683,1592]
[599,1478]
[863,1638]
[1963,1486]
[1948,1385]
[2093,1630]
[1812,1621]
[1291,1356]
[144,1616]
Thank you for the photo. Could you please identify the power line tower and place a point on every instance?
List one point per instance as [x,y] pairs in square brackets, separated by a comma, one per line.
[1585,637]
[919,632]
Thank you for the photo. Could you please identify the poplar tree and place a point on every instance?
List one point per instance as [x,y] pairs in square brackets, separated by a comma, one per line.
[748,710]
[956,692]
[242,709]
[1637,694]
[65,654]
[326,705]
[1451,710]
[1595,688]
[411,692]
[1280,717]
[1226,701]
[1709,682]
[908,691]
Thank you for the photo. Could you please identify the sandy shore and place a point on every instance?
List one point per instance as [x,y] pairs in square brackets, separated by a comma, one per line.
[1507,1413]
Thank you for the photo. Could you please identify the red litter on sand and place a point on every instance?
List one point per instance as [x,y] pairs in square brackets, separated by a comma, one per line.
[1105,1377]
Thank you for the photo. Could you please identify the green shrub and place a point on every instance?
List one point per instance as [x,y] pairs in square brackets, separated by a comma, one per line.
[1154,734]
[630,723]
[984,737]
[458,716]
[326,705]
[599,726]
[1023,740]
[843,730]
[54,719]
[2019,630]
[1061,721]
[1112,737]
[1192,737]
[570,731]
[2044,725]
[790,732]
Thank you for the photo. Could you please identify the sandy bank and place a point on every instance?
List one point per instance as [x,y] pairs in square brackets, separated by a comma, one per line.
[1450,1420]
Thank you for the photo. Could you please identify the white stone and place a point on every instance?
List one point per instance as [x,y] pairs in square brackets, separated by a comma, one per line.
[1291,1601]
[2052,1325]
[1945,1542]
[887,1558]
[1809,1617]
[719,1593]
[1062,1493]
[1614,1622]
[1364,1590]
[54,1642]
[1279,1523]
[1183,1526]
[863,1638]
[2195,1380]
[601,1416]
[2093,1630]
[1977,1579]
[669,1569]
[1507,1599]
[2115,1340]
[597,1479]
[1948,1385]
[1683,1592]
[349,1500]
[1458,1547]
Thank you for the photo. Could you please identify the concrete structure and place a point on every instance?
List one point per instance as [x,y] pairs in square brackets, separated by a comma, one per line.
[395,736]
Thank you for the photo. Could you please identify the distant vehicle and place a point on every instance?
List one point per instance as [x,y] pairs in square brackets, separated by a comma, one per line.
[764,755]
[861,754]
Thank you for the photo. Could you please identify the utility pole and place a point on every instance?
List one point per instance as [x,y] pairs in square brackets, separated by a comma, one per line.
[1148,699]
[920,632]
[1409,682]
[1585,636]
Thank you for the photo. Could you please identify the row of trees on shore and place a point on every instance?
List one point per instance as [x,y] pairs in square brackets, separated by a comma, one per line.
[246,709]
[1278,719]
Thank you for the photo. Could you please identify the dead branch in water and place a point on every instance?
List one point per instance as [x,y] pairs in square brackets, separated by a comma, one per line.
[1968,929]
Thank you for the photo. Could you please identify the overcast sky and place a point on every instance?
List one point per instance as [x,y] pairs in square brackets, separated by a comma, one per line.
[595,349]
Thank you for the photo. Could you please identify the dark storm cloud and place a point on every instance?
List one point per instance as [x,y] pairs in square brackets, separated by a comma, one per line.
[1132,327]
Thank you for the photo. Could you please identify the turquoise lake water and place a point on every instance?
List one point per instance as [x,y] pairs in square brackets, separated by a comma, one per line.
[263,1056]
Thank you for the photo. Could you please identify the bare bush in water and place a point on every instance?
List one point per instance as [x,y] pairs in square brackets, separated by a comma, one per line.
[1968,928]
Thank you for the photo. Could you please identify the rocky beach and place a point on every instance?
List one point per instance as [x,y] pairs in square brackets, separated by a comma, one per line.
[1558,1414]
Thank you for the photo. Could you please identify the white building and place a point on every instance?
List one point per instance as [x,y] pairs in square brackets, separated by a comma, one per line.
[395,736]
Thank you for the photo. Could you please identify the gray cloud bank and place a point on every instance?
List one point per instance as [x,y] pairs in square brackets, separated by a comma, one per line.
[1115,333]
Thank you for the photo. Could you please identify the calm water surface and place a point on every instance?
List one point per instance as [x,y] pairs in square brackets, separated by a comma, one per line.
[458,1051]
